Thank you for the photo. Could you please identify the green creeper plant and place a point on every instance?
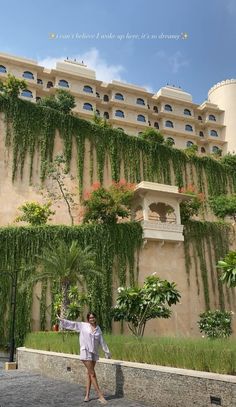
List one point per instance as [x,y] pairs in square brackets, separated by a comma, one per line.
[153,136]
[223,206]
[137,305]
[227,267]
[34,213]
[191,151]
[100,121]
[229,160]
[216,324]
[62,101]
[169,142]
[12,86]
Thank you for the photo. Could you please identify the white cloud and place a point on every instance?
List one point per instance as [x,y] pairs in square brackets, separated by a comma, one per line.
[148,88]
[175,61]
[93,60]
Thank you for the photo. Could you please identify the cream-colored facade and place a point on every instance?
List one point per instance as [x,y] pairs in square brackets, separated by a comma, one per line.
[210,125]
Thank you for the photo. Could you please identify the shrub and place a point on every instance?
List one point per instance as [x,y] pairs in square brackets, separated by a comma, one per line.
[190,207]
[108,205]
[216,324]
[35,213]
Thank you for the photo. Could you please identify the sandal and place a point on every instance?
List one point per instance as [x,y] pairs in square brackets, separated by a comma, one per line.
[102,401]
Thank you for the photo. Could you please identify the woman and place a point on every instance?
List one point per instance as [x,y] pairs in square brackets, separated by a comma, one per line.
[90,340]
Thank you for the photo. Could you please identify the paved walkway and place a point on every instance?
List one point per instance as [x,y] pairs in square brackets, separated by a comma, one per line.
[24,389]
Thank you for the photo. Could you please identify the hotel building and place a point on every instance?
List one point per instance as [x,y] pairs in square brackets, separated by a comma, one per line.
[132,109]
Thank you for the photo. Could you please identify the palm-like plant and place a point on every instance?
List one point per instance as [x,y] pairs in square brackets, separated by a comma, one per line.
[66,265]
[228,269]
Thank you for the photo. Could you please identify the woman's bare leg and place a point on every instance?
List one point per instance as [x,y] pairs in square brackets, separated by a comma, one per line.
[90,365]
[88,387]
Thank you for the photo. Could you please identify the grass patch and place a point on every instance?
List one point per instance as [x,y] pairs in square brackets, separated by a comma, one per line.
[217,356]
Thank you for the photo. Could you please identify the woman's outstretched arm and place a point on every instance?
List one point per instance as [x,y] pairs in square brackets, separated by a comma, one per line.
[70,325]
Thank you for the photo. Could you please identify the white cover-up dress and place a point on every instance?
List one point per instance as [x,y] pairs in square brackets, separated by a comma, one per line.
[90,340]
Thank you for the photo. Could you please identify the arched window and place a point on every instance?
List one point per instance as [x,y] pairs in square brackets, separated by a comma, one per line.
[38,98]
[63,83]
[119,113]
[88,89]
[189,144]
[212,117]
[155,108]
[156,125]
[119,96]
[27,93]
[39,81]
[170,141]
[141,118]
[168,108]
[201,134]
[199,117]
[187,112]
[161,212]
[106,98]
[214,133]
[106,115]
[140,133]
[49,84]
[188,127]
[3,69]
[120,129]
[28,75]
[97,112]
[168,123]
[98,95]
[216,149]
[87,106]
[140,101]
[203,150]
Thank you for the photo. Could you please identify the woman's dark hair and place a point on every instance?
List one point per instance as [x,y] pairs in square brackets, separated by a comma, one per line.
[89,314]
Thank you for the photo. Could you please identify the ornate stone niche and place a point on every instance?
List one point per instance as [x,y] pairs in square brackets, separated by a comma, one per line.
[156,206]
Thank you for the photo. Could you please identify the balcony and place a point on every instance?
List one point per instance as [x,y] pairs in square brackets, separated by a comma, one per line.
[162,231]
[156,207]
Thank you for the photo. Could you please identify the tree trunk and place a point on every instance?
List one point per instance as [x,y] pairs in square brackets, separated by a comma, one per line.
[65,300]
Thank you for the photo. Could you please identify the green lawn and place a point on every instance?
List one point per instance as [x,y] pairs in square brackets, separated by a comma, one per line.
[198,354]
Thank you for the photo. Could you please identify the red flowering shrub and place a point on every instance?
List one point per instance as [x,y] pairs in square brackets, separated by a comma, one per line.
[107,205]
[192,206]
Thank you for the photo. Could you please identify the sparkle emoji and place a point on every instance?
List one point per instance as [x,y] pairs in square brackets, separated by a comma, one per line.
[184,36]
[52,36]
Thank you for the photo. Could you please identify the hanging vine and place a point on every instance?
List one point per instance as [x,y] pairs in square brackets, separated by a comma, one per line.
[31,128]
[20,245]
[202,238]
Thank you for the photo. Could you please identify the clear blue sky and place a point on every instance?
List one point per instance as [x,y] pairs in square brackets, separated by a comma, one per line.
[205,58]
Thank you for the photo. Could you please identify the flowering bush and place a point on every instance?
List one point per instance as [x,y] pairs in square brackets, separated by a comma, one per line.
[35,213]
[108,205]
[216,324]
[137,305]
[192,206]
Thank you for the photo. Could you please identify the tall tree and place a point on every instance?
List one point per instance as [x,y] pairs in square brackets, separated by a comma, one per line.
[66,265]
